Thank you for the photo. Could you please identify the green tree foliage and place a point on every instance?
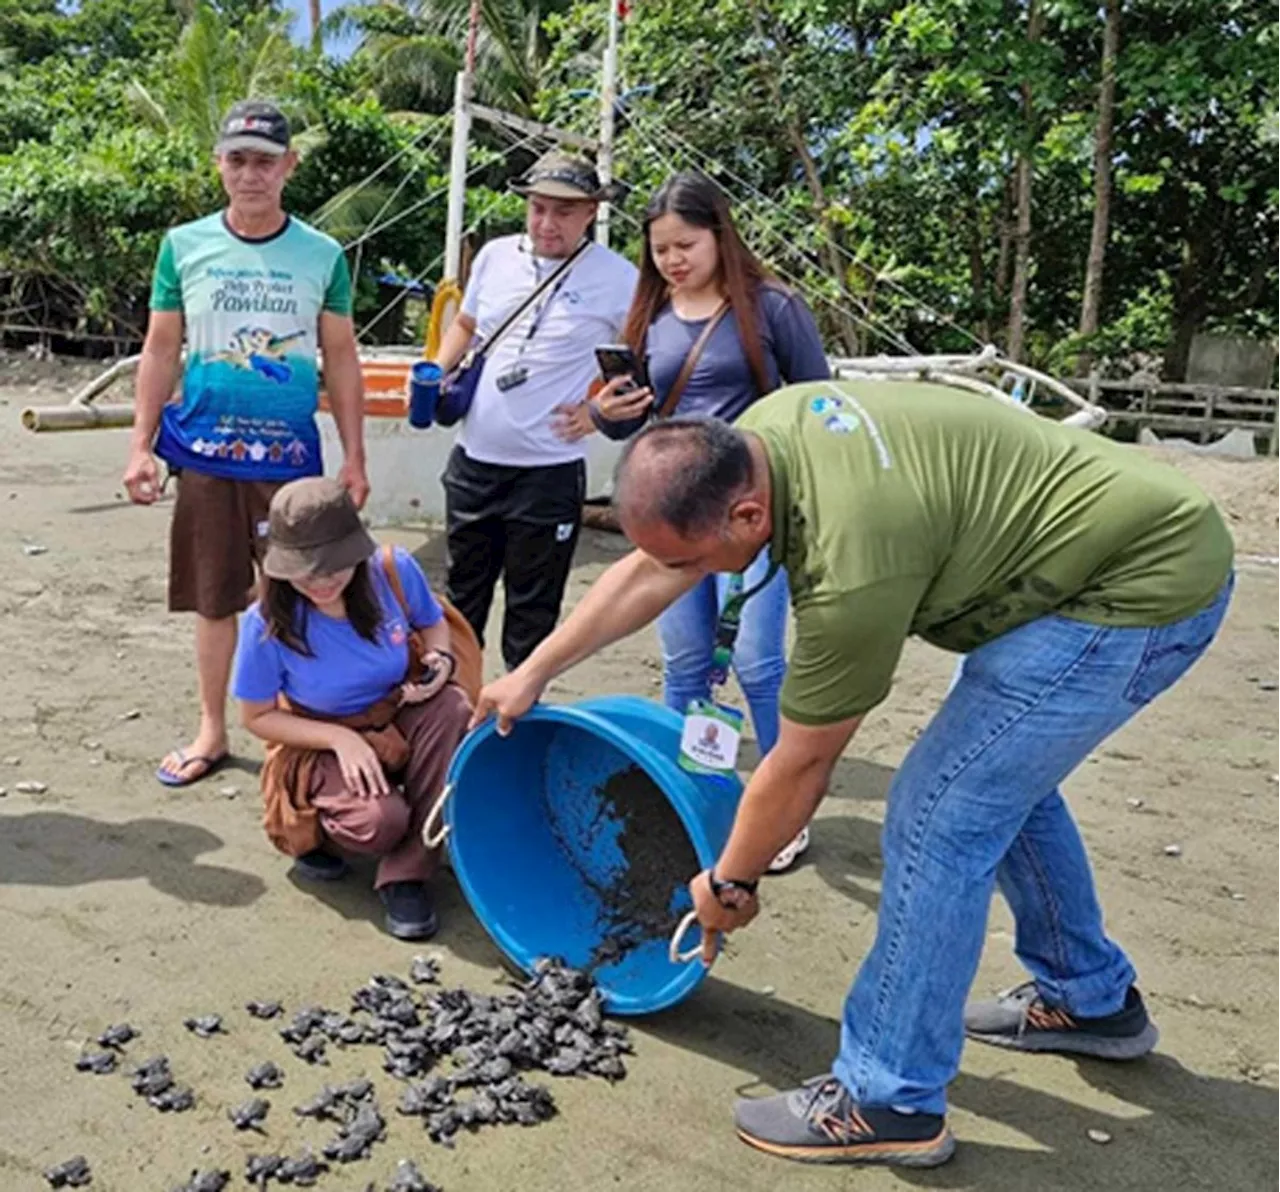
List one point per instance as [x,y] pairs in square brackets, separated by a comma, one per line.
[872,148]
[414,49]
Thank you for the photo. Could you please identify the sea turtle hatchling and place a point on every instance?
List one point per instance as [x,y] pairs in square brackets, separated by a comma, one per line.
[205,1181]
[266,1075]
[177,1098]
[355,1090]
[97,1062]
[152,1077]
[409,1179]
[205,1025]
[356,1138]
[258,1169]
[322,1105]
[312,1050]
[118,1035]
[425,970]
[303,1169]
[249,1115]
[74,1173]
[264,1009]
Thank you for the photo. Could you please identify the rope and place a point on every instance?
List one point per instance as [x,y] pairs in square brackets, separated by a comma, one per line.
[803,287]
[865,320]
[326,209]
[372,231]
[717,166]
[477,219]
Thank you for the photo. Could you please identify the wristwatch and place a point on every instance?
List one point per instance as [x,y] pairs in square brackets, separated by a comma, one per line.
[731,894]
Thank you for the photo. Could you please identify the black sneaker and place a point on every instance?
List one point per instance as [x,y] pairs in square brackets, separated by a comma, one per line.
[320,866]
[821,1123]
[1022,1020]
[411,911]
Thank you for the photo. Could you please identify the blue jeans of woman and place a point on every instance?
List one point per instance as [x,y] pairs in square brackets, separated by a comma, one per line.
[687,631]
[977,803]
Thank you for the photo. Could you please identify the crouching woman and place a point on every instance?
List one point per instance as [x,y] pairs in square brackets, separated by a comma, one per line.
[345,668]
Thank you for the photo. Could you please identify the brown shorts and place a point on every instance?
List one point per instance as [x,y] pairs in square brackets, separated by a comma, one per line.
[216,540]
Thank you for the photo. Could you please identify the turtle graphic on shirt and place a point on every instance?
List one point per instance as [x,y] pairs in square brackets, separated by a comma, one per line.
[260,350]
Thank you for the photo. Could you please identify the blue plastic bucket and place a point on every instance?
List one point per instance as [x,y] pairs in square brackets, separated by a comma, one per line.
[532,839]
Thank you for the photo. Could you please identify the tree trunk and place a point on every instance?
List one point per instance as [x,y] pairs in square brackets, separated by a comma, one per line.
[1022,185]
[1178,353]
[850,338]
[1091,303]
[1005,224]
[978,271]
[317,39]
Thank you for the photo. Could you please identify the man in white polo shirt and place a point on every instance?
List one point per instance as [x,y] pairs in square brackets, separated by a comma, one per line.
[515,482]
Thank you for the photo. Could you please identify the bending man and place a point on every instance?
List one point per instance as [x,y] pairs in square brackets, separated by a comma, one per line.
[1079,578]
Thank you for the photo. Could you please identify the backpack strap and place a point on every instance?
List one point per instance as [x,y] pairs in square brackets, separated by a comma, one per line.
[691,362]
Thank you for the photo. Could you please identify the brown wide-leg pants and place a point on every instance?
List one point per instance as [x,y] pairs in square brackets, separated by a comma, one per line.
[390,827]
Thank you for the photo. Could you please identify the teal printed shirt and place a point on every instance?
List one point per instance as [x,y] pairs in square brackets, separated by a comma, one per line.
[251,310]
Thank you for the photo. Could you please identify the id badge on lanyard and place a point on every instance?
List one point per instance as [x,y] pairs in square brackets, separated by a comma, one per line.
[712,730]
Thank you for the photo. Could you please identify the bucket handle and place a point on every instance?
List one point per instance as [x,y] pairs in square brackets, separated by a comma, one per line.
[673,948]
[434,834]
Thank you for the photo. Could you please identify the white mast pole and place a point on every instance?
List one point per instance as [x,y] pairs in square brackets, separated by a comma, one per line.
[462,91]
[608,98]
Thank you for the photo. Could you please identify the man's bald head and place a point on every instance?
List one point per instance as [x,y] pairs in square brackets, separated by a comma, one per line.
[685,473]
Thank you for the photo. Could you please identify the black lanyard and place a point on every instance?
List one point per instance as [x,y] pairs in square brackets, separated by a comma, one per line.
[730,620]
[543,306]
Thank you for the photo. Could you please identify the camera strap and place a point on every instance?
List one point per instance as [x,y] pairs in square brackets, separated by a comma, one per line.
[553,281]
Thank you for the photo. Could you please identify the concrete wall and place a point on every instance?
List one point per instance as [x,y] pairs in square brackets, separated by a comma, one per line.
[1232,360]
[405,466]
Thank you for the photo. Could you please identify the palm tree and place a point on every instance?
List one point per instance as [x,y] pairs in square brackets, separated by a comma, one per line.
[414,49]
[219,60]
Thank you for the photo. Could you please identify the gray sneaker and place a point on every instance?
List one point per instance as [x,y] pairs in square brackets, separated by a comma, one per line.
[821,1123]
[1022,1020]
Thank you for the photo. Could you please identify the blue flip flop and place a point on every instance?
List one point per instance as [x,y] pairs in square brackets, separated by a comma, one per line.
[211,766]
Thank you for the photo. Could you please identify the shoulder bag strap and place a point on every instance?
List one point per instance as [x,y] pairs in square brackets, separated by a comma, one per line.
[691,362]
[551,279]
[392,572]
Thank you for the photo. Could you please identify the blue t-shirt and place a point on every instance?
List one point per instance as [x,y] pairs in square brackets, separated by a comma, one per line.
[346,673]
[251,313]
[722,385]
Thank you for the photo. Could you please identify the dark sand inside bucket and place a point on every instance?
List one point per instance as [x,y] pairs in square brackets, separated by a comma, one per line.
[658,862]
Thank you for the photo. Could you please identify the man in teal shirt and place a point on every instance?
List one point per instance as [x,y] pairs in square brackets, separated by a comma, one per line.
[1078,578]
[256,294]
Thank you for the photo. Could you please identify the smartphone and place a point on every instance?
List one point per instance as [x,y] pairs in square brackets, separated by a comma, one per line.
[618,360]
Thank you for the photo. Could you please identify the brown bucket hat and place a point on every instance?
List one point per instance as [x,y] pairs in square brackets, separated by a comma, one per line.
[558,175]
[314,528]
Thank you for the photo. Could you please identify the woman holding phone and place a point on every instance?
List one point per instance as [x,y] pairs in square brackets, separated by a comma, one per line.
[719,333]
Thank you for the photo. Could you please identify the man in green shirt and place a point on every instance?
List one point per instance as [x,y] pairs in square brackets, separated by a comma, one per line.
[1078,578]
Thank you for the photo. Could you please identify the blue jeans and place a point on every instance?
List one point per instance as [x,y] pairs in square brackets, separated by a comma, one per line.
[687,631]
[976,803]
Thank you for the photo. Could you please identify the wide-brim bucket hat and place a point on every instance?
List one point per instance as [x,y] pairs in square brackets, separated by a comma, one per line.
[558,175]
[313,529]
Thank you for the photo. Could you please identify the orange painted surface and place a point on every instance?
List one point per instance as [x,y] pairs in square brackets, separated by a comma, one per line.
[384,382]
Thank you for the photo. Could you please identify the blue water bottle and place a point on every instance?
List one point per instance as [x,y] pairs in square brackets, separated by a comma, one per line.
[424,391]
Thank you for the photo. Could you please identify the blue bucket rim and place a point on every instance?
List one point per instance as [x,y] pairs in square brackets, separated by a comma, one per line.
[650,760]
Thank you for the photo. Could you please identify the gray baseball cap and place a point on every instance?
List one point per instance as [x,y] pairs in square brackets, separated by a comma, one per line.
[256,126]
